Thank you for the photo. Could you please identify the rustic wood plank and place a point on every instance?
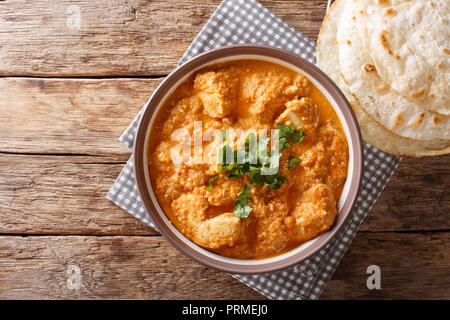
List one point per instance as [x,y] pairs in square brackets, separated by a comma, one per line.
[45,267]
[110,268]
[133,37]
[416,198]
[413,266]
[66,195]
[61,195]
[81,116]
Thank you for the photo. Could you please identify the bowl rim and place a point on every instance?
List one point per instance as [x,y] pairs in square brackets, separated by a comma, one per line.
[153,106]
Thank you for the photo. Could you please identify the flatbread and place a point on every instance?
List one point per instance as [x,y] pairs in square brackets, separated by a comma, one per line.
[388,108]
[409,42]
[372,132]
[327,54]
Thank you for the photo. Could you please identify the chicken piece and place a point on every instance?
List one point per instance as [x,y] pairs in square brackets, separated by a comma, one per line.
[190,175]
[217,91]
[301,87]
[172,181]
[160,156]
[299,113]
[337,151]
[166,187]
[225,192]
[190,211]
[181,115]
[269,228]
[315,212]
[218,231]
[266,93]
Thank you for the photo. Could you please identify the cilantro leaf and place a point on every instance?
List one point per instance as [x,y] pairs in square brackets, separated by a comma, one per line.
[241,207]
[275,181]
[298,136]
[255,176]
[293,161]
[285,130]
[237,171]
[211,181]
[245,193]
[241,210]
[283,144]
[260,164]
[288,132]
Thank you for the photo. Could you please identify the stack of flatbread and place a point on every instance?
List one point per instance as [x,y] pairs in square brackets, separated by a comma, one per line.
[391,58]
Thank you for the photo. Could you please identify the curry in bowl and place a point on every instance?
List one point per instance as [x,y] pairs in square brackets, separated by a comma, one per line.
[236,198]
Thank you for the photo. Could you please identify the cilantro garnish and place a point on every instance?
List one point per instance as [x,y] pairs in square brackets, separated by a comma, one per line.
[285,130]
[259,167]
[210,182]
[241,207]
[297,136]
[288,133]
[293,161]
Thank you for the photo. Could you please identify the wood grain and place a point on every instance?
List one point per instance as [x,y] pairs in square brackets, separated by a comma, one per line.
[149,268]
[120,38]
[413,266]
[59,155]
[110,267]
[61,195]
[66,195]
[86,116]
[78,116]
[417,198]
[67,129]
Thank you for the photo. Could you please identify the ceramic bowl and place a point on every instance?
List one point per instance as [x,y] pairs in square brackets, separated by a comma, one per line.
[321,81]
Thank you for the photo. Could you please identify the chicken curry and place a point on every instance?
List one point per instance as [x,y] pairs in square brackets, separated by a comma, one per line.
[232,207]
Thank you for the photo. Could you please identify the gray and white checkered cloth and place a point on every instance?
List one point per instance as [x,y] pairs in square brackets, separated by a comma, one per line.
[247,21]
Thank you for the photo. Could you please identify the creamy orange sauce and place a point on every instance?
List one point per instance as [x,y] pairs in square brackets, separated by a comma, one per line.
[250,94]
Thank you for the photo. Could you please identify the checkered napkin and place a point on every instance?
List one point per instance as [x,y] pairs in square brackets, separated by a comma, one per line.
[247,21]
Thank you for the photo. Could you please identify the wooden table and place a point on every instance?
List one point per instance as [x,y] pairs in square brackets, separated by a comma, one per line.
[68,91]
